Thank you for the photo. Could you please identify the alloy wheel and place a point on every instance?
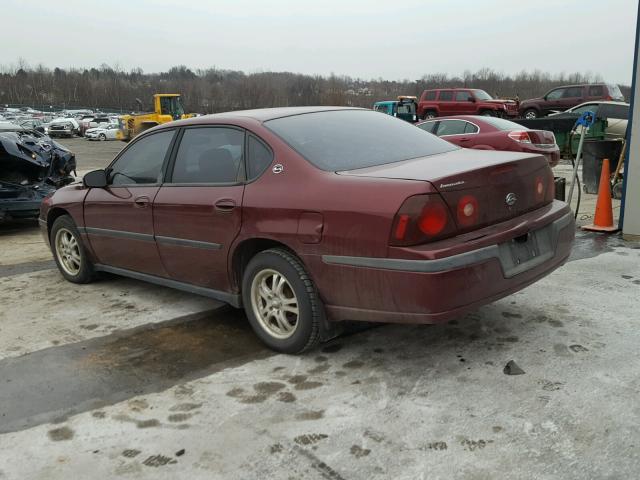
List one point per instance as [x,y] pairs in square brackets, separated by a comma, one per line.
[68,251]
[274,303]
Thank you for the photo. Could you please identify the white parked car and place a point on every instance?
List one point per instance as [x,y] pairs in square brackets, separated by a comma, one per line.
[616,113]
[103,132]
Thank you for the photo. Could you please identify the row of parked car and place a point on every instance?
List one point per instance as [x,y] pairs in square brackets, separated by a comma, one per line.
[472,101]
[64,124]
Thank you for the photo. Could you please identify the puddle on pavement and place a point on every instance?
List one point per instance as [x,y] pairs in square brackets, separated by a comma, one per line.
[49,385]
[590,244]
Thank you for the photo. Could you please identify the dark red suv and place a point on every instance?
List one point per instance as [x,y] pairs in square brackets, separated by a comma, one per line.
[562,98]
[310,215]
[463,101]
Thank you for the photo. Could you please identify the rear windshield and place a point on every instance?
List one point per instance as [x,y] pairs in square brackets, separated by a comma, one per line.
[502,124]
[350,139]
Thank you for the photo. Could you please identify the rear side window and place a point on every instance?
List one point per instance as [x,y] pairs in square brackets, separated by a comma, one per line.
[430,95]
[596,91]
[142,162]
[615,93]
[428,126]
[451,127]
[259,157]
[446,96]
[209,155]
[349,139]
[471,128]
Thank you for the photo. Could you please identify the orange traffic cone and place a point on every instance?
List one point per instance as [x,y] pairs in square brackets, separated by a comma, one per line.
[603,218]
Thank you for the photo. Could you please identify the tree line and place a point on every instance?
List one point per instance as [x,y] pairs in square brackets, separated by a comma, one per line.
[217,90]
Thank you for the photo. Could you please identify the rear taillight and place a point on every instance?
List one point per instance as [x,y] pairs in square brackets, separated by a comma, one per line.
[421,219]
[539,189]
[521,136]
[467,211]
[544,188]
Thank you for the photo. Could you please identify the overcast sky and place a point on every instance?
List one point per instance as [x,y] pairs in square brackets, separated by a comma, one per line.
[392,39]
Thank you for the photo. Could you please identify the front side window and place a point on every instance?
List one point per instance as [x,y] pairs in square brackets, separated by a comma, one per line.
[259,157]
[142,162]
[446,96]
[463,96]
[451,127]
[338,140]
[555,94]
[209,155]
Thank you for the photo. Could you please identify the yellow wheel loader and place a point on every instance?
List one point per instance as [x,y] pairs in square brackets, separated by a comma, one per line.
[167,107]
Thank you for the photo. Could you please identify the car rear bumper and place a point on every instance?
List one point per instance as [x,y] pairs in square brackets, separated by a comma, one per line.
[430,290]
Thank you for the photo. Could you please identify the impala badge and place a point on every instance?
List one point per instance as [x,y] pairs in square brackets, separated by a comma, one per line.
[511,199]
[277,168]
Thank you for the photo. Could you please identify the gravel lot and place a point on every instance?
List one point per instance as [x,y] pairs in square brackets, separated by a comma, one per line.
[124,379]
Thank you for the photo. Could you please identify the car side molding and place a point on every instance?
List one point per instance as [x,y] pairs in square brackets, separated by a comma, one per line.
[233,299]
[146,237]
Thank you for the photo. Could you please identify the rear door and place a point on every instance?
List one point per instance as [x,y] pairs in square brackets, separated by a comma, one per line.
[198,211]
[458,132]
[446,103]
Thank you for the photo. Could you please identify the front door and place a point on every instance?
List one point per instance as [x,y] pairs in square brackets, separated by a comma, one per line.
[198,211]
[464,103]
[119,218]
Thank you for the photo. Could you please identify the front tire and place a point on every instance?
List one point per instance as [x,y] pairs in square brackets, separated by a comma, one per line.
[429,114]
[69,252]
[531,113]
[487,113]
[281,302]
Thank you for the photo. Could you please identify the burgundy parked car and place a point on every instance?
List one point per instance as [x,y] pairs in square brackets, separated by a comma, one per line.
[312,215]
[562,98]
[488,133]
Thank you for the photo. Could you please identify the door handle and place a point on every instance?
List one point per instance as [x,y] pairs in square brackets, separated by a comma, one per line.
[465,139]
[141,202]
[225,205]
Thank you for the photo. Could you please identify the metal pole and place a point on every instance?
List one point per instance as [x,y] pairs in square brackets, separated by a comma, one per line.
[577,163]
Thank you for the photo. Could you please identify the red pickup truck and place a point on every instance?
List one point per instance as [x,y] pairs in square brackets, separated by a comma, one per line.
[463,101]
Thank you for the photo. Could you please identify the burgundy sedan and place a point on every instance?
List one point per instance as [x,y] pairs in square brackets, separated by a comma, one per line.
[312,215]
[492,133]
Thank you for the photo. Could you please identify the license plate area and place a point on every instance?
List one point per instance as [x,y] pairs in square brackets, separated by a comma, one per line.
[526,251]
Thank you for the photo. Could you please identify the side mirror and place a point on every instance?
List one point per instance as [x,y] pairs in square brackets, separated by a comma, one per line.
[40,129]
[95,179]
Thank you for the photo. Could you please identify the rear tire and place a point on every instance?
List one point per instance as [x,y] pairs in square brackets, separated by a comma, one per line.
[102,137]
[281,302]
[69,252]
[531,113]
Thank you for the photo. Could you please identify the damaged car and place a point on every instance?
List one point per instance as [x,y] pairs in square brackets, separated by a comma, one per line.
[32,166]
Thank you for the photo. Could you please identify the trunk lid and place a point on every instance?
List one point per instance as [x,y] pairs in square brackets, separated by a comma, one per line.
[542,138]
[503,184]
